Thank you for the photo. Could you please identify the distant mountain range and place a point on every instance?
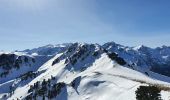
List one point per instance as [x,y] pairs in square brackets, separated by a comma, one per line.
[82,71]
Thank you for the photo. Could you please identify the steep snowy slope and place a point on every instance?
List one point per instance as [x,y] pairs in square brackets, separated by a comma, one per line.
[17,64]
[82,72]
[13,65]
[148,59]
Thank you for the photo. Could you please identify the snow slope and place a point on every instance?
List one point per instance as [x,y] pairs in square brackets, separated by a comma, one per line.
[102,81]
[23,66]
[147,59]
[88,74]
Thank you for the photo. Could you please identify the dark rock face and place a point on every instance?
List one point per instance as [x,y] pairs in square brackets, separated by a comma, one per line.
[56,61]
[12,61]
[79,55]
[6,60]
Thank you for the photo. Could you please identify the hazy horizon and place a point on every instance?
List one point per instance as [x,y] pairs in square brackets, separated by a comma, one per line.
[22,49]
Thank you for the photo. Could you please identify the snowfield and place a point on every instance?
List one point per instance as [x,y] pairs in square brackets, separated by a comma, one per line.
[95,78]
[102,81]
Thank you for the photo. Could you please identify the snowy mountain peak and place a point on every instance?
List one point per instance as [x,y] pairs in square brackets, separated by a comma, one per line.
[84,71]
[113,44]
[48,49]
[141,47]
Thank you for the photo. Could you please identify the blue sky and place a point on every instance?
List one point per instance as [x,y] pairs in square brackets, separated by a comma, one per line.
[31,23]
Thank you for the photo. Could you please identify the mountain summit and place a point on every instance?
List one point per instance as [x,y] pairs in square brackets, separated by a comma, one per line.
[82,71]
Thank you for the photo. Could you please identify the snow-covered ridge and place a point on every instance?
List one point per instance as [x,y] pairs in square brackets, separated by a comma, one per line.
[155,59]
[48,49]
[82,71]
